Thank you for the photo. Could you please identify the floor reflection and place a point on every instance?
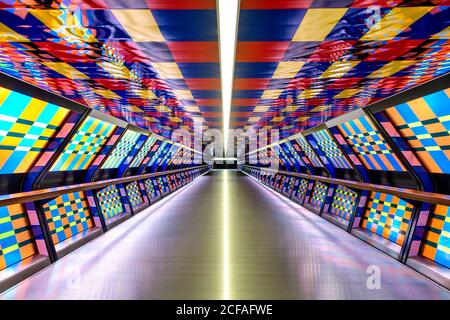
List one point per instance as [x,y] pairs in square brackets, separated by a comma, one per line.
[225,236]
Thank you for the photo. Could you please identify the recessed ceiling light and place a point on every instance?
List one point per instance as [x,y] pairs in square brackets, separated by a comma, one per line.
[228,16]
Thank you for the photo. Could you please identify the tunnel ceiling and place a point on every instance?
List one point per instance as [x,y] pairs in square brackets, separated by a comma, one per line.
[155,63]
[152,63]
[299,63]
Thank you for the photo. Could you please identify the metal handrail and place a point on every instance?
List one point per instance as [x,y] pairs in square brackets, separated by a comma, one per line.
[35,195]
[422,196]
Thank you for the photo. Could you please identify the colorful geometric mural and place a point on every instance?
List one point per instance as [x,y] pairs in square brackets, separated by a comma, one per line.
[301,63]
[84,145]
[26,127]
[344,202]
[319,194]
[143,152]
[121,150]
[294,154]
[309,152]
[369,145]
[110,202]
[298,63]
[16,239]
[388,216]
[145,62]
[425,125]
[134,194]
[436,245]
[67,215]
[331,149]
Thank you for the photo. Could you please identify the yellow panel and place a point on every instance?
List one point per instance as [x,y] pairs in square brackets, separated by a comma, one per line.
[393,23]
[59,116]
[391,68]
[309,93]
[26,162]
[289,109]
[277,119]
[191,108]
[254,119]
[318,23]
[151,119]
[20,128]
[34,109]
[300,119]
[108,94]
[444,34]
[271,94]
[134,109]
[339,69]
[55,18]
[183,94]
[347,93]
[174,119]
[261,108]
[4,93]
[167,70]
[146,94]
[66,70]
[9,35]
[287,69]
[4,156]
[139,24]
[320,108]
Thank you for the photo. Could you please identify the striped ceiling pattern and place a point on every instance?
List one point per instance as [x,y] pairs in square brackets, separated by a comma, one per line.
[302,62]
[155,63]
[152,63]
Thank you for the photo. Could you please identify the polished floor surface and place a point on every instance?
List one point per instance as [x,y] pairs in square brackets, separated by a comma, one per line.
[226,237]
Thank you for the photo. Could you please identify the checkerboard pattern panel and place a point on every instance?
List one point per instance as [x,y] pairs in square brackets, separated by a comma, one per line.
[369,145]
[134,194]
[158,154]
[16,239]
[110,202]
[285,158]
[121,150]
[319,194]
[436,244]
[143,152]
[331,149]
[67,215]
[302,188]
[425,125]
[344,202]
[288,185]
[26,127]
[84,145]
[152,190]
[163,185]
[388,216]
[309,152]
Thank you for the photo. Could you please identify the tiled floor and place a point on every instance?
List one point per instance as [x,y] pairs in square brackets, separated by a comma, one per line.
[225,237]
